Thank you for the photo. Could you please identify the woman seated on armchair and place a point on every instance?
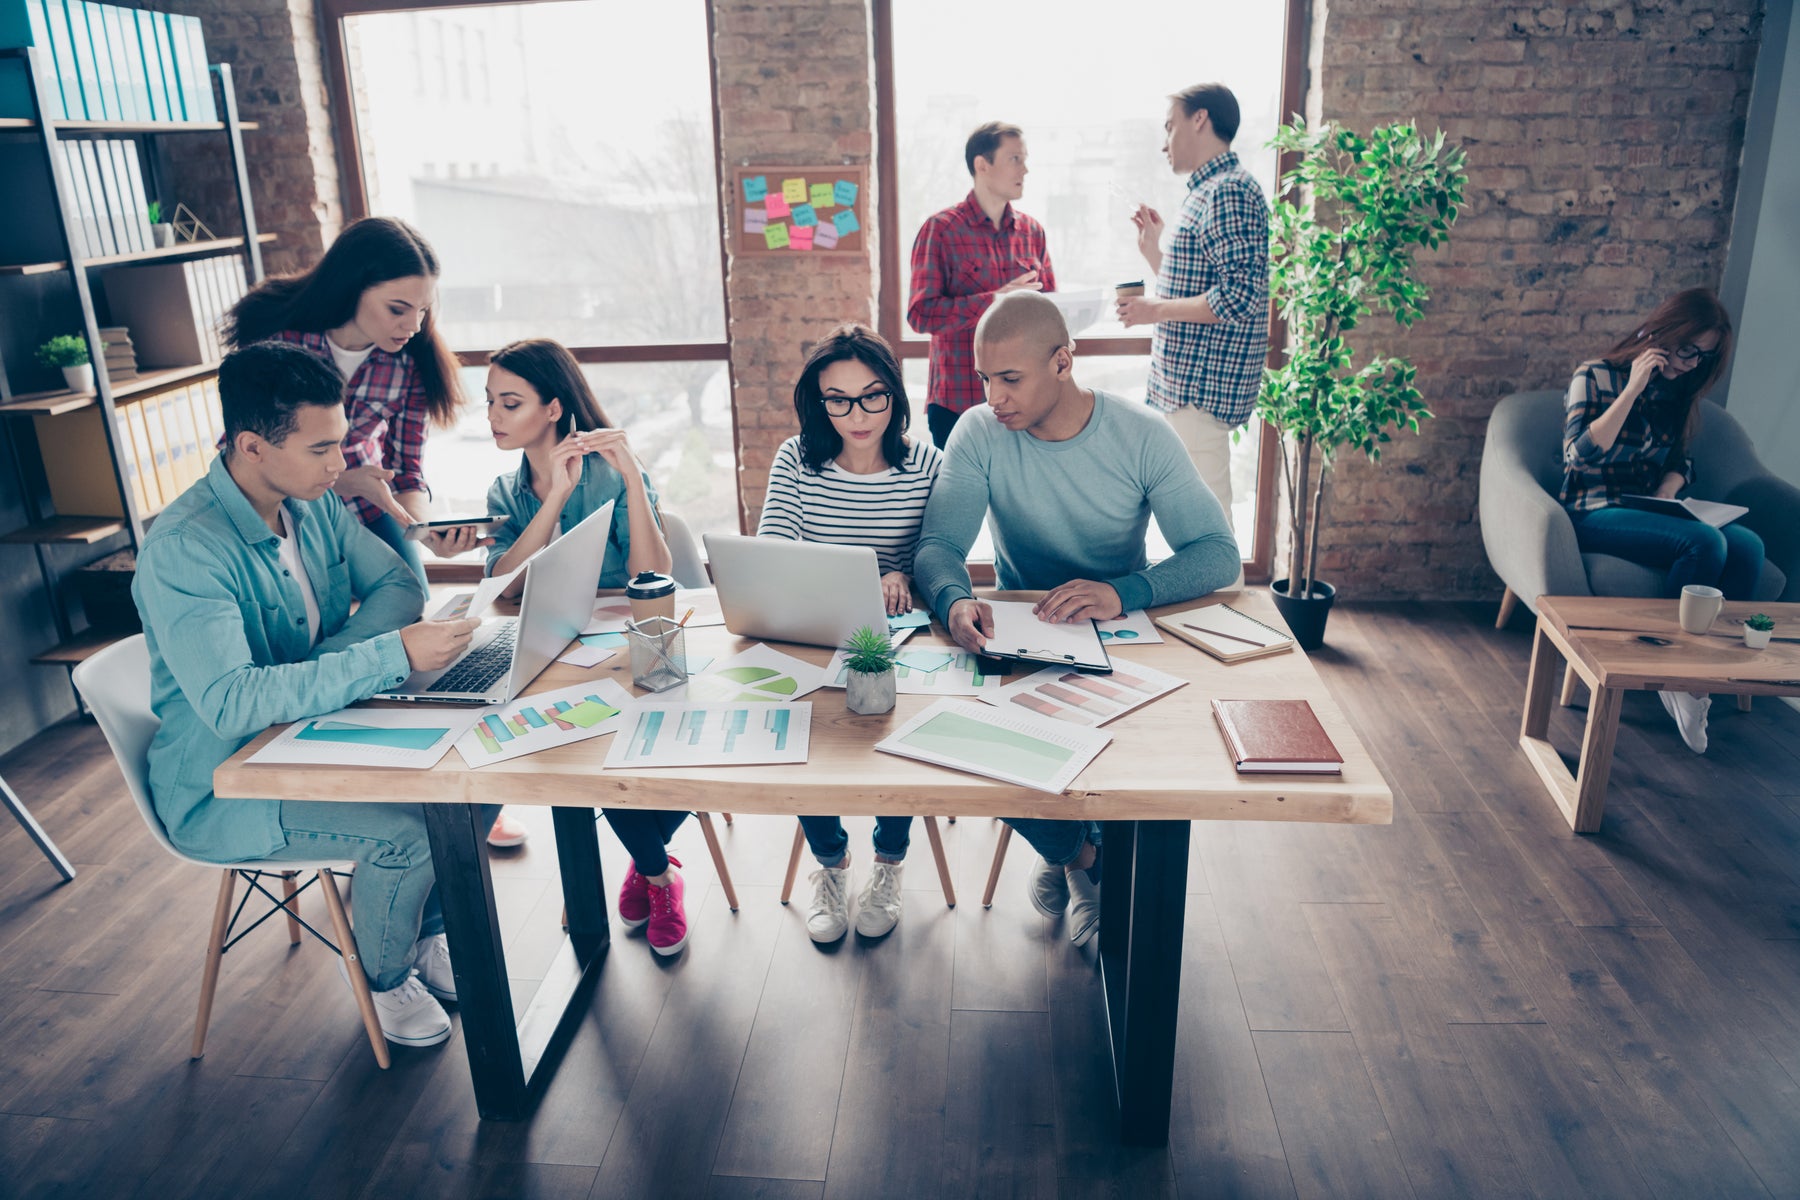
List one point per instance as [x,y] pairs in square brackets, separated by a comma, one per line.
[1631,415]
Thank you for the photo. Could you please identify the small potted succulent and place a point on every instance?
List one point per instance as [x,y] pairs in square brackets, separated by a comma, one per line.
[70,352]
[869,683]
[163,232]
[1758,627]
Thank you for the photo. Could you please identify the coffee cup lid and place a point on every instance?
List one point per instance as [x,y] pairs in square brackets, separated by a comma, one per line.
[648,585]
[1130,283]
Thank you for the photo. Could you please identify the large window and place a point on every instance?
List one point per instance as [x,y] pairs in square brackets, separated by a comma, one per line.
[1090,93]
[566,179]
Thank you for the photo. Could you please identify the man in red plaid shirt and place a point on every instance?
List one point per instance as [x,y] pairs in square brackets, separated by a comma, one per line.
[965,256]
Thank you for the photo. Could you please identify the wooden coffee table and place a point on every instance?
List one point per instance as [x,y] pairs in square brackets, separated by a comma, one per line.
[1603,640]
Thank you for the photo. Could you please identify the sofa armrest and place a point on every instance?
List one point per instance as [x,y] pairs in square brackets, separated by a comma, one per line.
[1774,515]
[1529,538]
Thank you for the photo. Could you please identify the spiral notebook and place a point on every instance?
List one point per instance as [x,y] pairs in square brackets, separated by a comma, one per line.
[1225,633]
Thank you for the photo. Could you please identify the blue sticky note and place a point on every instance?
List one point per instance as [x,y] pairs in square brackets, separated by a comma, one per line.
[912,620]
[756,188]
[603,639]
[845,192]
[846,223]
[804,215]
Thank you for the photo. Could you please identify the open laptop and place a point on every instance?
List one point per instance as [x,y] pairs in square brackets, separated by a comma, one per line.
[507,653]
[785,591]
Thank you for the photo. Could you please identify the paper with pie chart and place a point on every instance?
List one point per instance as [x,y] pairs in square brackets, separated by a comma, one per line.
[1135,628]
[1084,699]
[758,675]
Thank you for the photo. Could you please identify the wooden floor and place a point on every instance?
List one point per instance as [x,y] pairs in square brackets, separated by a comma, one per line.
[1471,1002]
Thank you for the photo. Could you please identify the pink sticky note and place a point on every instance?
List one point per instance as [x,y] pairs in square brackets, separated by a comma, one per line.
[801,237]
[778,206]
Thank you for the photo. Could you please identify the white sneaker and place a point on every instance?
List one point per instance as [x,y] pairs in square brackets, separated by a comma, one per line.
[411,1016]
[1084,906]
[431,959]
[828,916]
[1689,710]
[878,905]
[1049,889]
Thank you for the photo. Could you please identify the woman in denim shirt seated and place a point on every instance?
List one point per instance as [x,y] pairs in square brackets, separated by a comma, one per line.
[1631,415]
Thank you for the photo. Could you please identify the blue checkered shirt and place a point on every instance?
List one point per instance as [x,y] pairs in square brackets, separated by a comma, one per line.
[1220,250]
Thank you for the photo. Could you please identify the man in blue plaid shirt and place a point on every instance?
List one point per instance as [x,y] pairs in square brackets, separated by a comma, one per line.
[1211,308]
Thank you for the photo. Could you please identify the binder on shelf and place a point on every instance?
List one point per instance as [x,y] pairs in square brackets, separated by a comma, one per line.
[201,107]
[146,458]
[166,64]
[179,415]
[93,27]
[78,203]
[103,241]
[128,461]
[155,88]
[164,464]
[124,233]
[62,54]
[131,102]
[162,305]
[93,107]
[131,51]
[125,155]
[27,23]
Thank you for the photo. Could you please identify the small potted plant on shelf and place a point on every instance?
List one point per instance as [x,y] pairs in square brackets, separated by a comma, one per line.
[869,683]
[70,352]
[163,232]
[1758,628]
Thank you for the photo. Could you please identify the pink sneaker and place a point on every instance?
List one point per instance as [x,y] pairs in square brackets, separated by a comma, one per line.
[668,919]
[634,897]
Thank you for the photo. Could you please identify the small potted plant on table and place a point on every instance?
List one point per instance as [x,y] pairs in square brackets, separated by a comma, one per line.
[1757,629]
[70,352]
[869,683]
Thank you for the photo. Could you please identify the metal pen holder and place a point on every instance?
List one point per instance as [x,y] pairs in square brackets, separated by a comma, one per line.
[658,653]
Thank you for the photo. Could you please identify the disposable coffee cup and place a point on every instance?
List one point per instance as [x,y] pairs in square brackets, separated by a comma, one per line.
[1125,291]
[1700,607]
[651,595]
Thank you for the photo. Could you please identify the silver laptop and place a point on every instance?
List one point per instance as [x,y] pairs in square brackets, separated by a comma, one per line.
[785,591]
[507,653]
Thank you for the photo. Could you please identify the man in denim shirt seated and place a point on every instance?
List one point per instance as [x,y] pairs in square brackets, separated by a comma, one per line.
[245,584]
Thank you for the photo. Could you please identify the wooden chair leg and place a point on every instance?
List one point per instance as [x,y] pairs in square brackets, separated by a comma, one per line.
[727,817]
[718,857]
[1570,679]
[943,864]
[290,906]
[1743,703]
[793,867]
[1509,600]
[359,982]
[993,880]
[215,951]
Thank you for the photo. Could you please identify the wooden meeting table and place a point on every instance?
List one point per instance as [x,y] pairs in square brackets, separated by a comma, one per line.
[1167,765]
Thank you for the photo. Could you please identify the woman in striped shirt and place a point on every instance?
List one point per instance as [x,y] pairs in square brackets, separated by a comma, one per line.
[853,477]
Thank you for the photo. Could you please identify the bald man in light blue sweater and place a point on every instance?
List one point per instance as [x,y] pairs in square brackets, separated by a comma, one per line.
[1072,476]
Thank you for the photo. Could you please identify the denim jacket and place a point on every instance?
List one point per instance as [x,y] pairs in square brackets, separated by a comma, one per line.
[511,496]
[230,652]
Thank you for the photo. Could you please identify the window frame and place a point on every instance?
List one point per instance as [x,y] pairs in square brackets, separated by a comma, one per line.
[892,277]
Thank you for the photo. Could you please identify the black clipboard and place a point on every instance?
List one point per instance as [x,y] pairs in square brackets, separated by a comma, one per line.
[1094,661]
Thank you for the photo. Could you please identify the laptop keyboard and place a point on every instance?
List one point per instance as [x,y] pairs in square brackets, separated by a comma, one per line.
[482,668]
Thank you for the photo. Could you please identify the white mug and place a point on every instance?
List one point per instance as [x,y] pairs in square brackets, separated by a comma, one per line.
[1700,607]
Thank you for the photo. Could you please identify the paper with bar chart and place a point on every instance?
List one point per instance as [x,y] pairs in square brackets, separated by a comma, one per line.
[928,671]
[370,737]
[712,735]
[758,674]
[545,720]
[1034,752]
[1084,699]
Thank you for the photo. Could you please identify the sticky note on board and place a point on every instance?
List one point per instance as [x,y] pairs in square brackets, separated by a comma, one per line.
[775,236]
[846,223]
[822,195]
[777,206]
[793,191]
[825,237]
[804,215]
[754,220]
[755,188]
[845,192]
[801,238]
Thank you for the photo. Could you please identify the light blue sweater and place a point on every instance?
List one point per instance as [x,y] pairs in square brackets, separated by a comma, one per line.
[1076,509]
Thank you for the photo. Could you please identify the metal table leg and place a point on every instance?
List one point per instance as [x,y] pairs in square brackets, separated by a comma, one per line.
[1143,913]
[17,808]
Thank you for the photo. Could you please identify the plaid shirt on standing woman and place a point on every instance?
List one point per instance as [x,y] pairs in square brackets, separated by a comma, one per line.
[385,403]
[1220,250]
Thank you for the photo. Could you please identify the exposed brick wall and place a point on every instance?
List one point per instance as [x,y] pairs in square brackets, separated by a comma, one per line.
[796,88]
[1603,149]
[273,49]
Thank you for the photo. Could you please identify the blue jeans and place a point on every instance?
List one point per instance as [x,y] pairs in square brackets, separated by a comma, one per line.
[1059,842]
[1730,559]
[394,900]
[393,533]
[645,832]
[826,838]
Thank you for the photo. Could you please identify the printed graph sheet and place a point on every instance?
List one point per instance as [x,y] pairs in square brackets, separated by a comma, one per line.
[1033,752]
[1085,699]
[700,735]
[544,721]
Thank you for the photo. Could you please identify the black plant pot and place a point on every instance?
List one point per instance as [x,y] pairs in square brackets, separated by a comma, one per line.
[1305,615]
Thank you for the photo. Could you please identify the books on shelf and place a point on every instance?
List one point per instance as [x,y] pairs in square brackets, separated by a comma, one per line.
[121,356]
[174,309]
[106,202]
[110,62]
[166,440]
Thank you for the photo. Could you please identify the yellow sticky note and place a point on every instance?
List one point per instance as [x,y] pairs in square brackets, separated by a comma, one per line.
[775,236]
[794,191]
[588,713]
[822,195]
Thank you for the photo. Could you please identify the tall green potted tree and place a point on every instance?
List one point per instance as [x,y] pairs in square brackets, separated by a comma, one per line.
[1351,213]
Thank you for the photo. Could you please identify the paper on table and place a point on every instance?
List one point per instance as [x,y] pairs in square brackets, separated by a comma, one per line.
[545,720]
[1079,309]
[1029,751]
[1085,699]
[610,615]
[704,602]
[370,737]
[1135,628]
[585,655]
[696,735]
[915,619]
[1019,632]
[758,674]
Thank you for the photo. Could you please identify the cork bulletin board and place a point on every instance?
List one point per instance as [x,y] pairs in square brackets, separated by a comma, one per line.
[800,210]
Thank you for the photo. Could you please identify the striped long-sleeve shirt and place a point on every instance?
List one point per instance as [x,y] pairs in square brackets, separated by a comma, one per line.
[883,511]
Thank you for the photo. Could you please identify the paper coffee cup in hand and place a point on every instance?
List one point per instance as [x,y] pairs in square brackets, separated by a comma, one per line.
[1125,291]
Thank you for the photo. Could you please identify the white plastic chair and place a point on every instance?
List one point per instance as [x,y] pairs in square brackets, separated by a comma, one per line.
[116,685]
[689,569]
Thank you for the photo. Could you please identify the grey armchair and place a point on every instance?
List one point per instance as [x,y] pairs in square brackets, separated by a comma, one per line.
[1531,542]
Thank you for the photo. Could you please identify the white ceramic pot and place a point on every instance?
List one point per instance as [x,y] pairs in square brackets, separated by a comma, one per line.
[869,694]
[79,379]
[163,233]
[1757,639]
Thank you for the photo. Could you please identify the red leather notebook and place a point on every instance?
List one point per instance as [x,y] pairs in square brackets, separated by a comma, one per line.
[1276,736]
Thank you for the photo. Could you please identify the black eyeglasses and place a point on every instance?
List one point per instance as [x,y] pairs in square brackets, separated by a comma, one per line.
[871,403]
[1693,354]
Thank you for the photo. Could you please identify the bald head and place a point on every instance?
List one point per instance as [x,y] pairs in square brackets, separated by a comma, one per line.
[1028,317]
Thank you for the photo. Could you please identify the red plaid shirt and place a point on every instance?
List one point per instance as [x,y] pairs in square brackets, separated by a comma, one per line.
[385,403]
[958,262]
